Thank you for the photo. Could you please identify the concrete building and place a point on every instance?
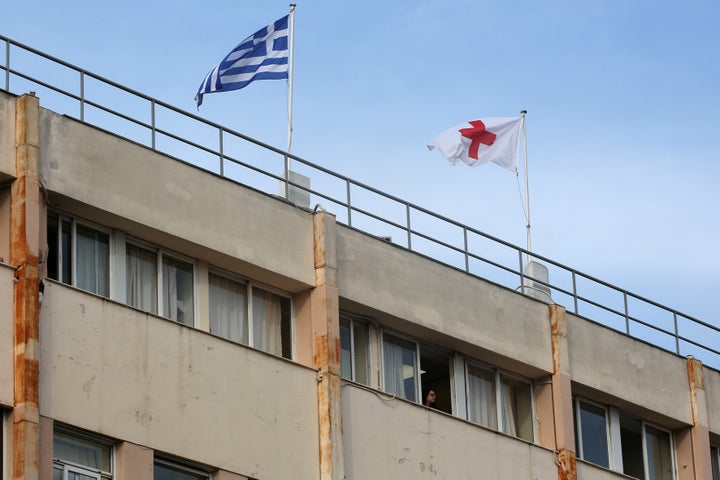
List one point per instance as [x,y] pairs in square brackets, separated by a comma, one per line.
[158,321]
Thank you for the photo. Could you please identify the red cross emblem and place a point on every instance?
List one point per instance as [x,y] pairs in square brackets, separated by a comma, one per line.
[477,135]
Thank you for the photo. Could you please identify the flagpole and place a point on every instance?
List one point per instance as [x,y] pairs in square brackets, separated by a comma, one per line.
[290,88]
[527,184]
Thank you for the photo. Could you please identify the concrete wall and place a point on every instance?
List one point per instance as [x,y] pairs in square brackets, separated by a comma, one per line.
[386,438]
[202,209]
[7,136]
[712,395]
[588,471]
[428,294]
[7,357]
[620,366]
[113,370]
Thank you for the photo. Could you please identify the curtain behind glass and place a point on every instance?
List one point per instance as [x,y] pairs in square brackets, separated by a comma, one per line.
[481,397]
[345,349]
[267,321]
[141,278]
[399,367]
[93,261]
[177,294]
[659,456]
[228,309]
[81,452]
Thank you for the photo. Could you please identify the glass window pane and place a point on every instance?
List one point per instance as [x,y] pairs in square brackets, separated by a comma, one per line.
[361,338]
[267,321]
[659,456]
[173,472]
[81,451]
[399,367]
[715,454]
[516,408]
[53,248]
[481,397]
[631,443]
[594,436]
[228,308]
[177,295]
[345,349]
[141,278]
[66,252]
[93,261]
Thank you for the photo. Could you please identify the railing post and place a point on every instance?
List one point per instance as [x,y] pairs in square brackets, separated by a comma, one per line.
[467,256]
[409,228]
[7,65]
[575,296]
[522,272]
[627,315]
[349,205]
[152,123]
[222,153]
[82,96]
[677,333]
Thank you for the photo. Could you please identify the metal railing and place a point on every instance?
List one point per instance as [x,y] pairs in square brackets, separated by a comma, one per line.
[191,139]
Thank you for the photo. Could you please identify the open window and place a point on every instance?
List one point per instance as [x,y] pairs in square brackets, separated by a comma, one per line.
[354,349]
[411,370]
[615,440]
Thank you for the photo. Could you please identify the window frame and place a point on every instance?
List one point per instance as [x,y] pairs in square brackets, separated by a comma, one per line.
[715,461]
[160,255]
[363,323]
[578,429]
[249,321]
[70,466]
[497,376]
[73,250]
[191,470]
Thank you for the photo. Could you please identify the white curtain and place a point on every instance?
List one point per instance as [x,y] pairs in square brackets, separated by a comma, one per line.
[399,367]
[508,406]
[228,310]
[481,397]
[267,321]
[178,291]
[141,278]
[93,261]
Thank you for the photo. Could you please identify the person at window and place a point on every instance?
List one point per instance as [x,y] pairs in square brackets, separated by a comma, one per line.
[430,397]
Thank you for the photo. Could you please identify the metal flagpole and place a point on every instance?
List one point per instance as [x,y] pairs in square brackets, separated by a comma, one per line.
[290,88]
[527,183]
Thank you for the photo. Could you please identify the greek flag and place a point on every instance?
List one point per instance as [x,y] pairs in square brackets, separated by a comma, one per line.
[261,56]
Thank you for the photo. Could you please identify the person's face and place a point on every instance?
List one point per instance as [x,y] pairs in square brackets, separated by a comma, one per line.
[430,397]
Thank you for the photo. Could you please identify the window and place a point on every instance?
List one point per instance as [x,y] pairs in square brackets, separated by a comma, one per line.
[160,284]
[354,355]
[642,451]
[715,459]
[245,313]
[78,255]
[80,457]
[592,433]
[499,401]
[164,470]
[411,370]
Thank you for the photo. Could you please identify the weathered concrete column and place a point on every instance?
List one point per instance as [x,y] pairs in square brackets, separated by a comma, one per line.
[325,326]
[562,395]
[693,443]
[25,211]
[134,462]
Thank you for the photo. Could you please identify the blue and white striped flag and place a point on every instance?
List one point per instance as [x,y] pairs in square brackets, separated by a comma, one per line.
[261,56]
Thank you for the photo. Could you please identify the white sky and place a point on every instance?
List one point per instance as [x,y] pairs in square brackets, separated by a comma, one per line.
[622,100]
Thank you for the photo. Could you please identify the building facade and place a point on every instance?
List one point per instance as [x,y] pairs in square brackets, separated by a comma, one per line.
[158,321]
